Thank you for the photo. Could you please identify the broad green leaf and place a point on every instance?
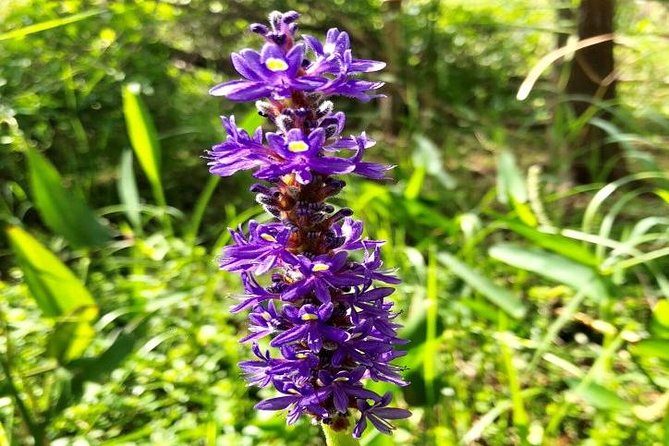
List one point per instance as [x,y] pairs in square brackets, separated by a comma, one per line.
[493,292]
[95,369]
[653,347]
[555,242]
[69,340]
[659,324]
[143,137]
[415,183]
[510,181]
[49,24]
[64,211]
[58,292]
[127,190]
[511,187]
[4,438]
[553,267]
[600,397]
[427,155]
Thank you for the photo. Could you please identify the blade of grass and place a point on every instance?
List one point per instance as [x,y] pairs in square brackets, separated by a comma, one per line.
[430,352]
[606,191]
[201,207]
[49,24]
[144,140]
[57,291]
[63,210]
[493,292]
[552,266]
[520,417]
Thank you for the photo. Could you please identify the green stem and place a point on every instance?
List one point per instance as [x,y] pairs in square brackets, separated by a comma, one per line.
[339,438]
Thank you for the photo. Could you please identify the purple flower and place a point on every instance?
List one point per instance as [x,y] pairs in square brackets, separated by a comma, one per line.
[344,386]
[311,325]
[378,414]
[268,73]
[319,275]
[301,155]
[331,56]
[265,247]
[239,151]
[324,310]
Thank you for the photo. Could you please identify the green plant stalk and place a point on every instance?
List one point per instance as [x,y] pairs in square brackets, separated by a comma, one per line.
[339,438]
[520,417]
[201,207]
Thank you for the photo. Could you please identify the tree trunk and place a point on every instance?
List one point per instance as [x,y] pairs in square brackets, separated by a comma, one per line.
[592,80]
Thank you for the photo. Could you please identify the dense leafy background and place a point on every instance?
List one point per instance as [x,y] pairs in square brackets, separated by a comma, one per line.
[536,307]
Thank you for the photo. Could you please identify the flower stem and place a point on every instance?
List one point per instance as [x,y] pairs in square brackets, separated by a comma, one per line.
[339,438]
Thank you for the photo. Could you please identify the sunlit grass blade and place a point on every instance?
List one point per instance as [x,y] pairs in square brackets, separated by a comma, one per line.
[520,416]
[555,242]
[490,290]
[49,24]
[58,293]
[552,266]
[145,143]
[604,193]
[602,398]
[64,211]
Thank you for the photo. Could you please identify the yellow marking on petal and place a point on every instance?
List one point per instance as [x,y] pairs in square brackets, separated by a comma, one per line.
[309,317]
[318,267]
[274,64]
[341,379]
[298,146]
[266,316]
[268,238]
[300,356]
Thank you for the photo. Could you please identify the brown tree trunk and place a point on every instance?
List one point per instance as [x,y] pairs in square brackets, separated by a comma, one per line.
[592,80]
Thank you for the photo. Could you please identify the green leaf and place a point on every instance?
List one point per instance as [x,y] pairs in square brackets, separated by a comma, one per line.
[127,190]
[556,243]
[64,211]
[510,181]
[69,340]
[49,24]
[58,293]
[123,345]
[428,157]
[143,137]
[659,325]
[601,397]
[55,288]
[493,292]
[656,348]
[553,267]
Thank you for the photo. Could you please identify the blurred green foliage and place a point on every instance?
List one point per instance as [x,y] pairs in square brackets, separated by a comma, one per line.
[537,309]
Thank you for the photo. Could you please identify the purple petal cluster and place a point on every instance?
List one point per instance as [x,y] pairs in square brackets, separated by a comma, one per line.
[320,322]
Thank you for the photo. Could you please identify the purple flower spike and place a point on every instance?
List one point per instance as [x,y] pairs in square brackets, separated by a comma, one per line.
[323,308]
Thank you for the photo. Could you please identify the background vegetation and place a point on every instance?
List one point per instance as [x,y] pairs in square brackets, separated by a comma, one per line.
[535,293]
